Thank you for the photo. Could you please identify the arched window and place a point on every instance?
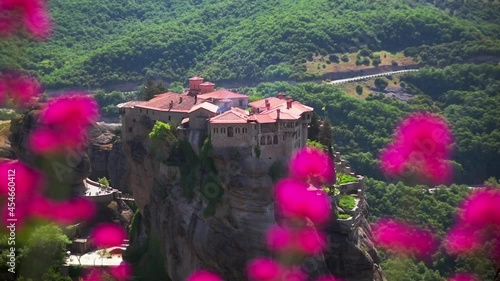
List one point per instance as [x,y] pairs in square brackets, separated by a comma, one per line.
[262,140]
[275,140]
[230,131]
[269,141]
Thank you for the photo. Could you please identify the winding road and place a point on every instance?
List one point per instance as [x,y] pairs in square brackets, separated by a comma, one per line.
[359,78]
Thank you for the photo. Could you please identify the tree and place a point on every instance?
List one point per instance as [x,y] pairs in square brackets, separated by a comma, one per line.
[359,89]
[151,89]
[380,83]
[44,251]
[325,135]
[313,129]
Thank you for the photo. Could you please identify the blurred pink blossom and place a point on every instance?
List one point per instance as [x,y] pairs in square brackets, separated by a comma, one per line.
[311,242]
[462,239]
[403,238]
[32,13]
[293,200]
[307,241]
[20,178]
[94,275]
[264,269]
[22,89]
[108,235]
[293,274]
[421,146]
[481,209]
[124,272]
[62,212]
[64,122]
[313,165]
[279,239]
[463,277]
[204,275]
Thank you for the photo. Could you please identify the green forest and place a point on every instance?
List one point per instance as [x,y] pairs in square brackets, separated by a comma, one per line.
[98,43]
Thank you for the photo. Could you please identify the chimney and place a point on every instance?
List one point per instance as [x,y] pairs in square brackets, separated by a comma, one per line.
[195,99]
[207,87]
[180,99]
[171,104]
[278,114]
[268,105]
[289,102]
[194,83]
[281,96]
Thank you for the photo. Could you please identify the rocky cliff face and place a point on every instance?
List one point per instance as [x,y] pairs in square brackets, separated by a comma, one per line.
[227,240]
[106,155]
[72,168]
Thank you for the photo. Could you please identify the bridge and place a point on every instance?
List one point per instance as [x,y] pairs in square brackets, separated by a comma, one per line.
[360,78]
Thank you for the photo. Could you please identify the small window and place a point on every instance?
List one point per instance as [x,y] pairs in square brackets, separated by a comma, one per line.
[269,140]
[241,102]
[283,137]
[230,132]
[134,120]
[262,140]
[169,118]
[130,129]
[275,140]
[140,110]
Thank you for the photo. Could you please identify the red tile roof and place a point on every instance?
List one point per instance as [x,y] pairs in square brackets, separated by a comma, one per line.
[262,118]
[130,104]
[195,78]
[207,83]
[205,105]
[162,102]
[261,104]
[233,116]
[222,94]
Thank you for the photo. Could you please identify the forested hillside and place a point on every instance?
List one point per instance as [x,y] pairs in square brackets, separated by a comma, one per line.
[466,95]
[107,42]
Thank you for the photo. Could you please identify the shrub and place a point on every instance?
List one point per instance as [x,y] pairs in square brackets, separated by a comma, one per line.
[334,58]
[347,202]
[380,83]
[344,216]
[345,58]
[359,89]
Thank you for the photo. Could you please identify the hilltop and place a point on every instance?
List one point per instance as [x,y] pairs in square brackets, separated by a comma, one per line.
[99,43]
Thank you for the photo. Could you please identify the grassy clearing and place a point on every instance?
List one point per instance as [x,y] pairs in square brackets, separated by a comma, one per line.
[344,178]
[344,216]
[350,88]
[321,64]
[347,202]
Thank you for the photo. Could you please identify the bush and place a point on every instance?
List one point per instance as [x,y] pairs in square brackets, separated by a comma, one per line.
[344,216]
[366,52]
[347,202]
[394,63]
[380,83]
[359,89]
[334,58]
[345,58]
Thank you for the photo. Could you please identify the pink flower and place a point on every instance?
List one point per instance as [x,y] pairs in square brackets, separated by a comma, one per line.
[463,277]
[403,238]
[312,165]
[293,274]
[62,212]
[311,242]
[264,269]
[95,275]
[108,235]
[293,200]
[64,123]
[481,209]
[462,239]
[33,13]
[279,239]
[203,275]
[124,272]
[18,179]
[421,147]
[22,89]
[307,241]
